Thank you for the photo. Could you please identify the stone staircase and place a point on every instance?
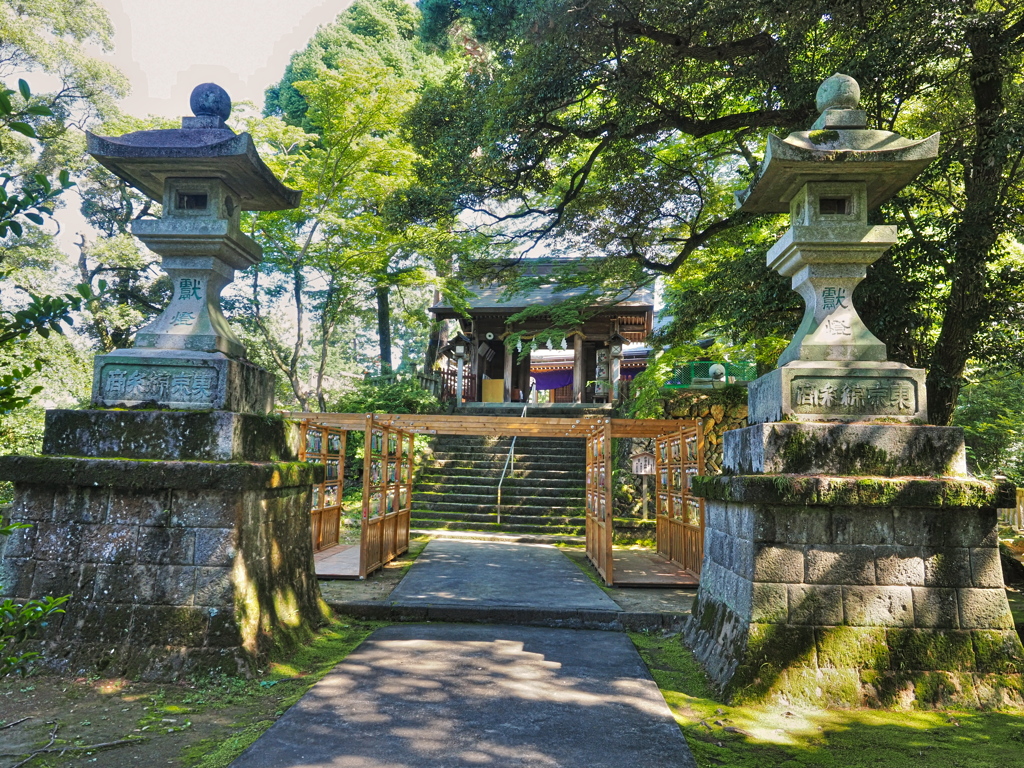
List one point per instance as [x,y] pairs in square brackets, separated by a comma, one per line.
[457,488]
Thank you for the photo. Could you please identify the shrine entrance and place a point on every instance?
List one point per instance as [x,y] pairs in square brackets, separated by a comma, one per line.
[389,466]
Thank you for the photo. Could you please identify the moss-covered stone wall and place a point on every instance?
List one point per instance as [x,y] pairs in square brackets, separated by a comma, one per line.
[720,410]
[173,567]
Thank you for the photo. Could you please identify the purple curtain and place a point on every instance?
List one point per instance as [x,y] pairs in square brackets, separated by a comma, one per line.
[553,379]
[627,374]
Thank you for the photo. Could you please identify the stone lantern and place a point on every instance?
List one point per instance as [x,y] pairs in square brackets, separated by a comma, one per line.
[175,512]
[844,546]
[827,179]
[204,175]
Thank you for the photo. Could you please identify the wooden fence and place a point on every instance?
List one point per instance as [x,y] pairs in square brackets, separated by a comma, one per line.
[680,516]
[450,383]
[325,445]
[388,464]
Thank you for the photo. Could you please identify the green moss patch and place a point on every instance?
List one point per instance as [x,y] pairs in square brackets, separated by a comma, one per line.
[852,648]
[916,649]
[758,736]
[802,490]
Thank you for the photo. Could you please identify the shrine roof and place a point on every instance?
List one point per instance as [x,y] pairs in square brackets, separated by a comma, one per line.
[494,298]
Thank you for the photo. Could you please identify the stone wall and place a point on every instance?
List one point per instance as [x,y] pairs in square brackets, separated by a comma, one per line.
[839,591]
[173,567]
[718,410]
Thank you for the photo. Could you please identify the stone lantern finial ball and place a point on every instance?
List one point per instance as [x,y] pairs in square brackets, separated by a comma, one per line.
[838,92]
[210,99]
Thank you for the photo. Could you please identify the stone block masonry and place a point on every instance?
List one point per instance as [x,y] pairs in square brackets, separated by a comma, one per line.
[852,591]
[173,567]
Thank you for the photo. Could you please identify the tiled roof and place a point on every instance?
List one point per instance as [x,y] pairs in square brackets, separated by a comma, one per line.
[493,297]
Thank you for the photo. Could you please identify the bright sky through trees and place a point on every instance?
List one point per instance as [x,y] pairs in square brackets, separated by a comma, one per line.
[167,47]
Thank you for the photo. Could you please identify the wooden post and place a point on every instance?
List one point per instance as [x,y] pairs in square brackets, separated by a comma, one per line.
[578,369]
[458,383]
[609,531]
[644,494]
[508,375]
[364,529]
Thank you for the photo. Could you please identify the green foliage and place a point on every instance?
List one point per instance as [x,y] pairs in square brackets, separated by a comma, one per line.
[350,254]
[621,132]
[989,410]
[379,30]
[42,315]
[400,396]
[21,620]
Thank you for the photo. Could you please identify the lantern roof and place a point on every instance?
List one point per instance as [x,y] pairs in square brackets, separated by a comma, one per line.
[839,147]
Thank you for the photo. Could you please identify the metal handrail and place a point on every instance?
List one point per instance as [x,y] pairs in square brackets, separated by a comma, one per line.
[511,452]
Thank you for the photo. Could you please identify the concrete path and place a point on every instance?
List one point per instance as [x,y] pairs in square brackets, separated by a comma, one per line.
[448,696]
[496,575]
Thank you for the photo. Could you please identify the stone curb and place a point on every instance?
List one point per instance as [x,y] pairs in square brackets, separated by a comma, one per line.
[140,474]
[561,618]
[793,490]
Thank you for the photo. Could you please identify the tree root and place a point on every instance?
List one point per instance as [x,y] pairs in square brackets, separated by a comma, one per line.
[50,749]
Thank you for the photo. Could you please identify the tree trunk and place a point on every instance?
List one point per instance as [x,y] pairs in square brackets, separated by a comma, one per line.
[433,341]
[975,236]
[384,327]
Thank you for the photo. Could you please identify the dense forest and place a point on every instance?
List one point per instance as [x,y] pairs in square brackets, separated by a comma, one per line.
[436,142]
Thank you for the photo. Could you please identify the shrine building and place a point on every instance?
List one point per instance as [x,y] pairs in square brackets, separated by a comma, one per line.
[591,364]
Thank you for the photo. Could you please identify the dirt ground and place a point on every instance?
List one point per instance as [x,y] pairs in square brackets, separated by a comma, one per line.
[115,723]
[145,724]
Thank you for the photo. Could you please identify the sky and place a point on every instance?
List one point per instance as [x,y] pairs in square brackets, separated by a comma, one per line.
[167,47]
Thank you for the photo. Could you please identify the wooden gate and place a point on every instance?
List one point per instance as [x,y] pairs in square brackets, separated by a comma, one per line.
[387,494]
[325,445]
[680,516]
[599,500]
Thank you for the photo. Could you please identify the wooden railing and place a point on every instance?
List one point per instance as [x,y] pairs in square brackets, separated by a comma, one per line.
[388,466]
[325,445]
[679,515]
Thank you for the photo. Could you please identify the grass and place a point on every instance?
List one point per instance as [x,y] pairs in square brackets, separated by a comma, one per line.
[764,737]
[285,679]
[199,723]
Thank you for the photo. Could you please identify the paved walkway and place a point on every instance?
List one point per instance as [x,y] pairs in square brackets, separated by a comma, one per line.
[449,695]
[489,574]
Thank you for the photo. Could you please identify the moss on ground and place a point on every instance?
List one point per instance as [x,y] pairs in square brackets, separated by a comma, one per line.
[202,723]
[759,736]
[287,679]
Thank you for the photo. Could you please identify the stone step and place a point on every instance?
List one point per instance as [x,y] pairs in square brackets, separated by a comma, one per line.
[487,508]
[510,519]
[554,485]
[502,443]
[475,453]
[491,475]
[570,530]
[483,463]
[478,495]
[507,497]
